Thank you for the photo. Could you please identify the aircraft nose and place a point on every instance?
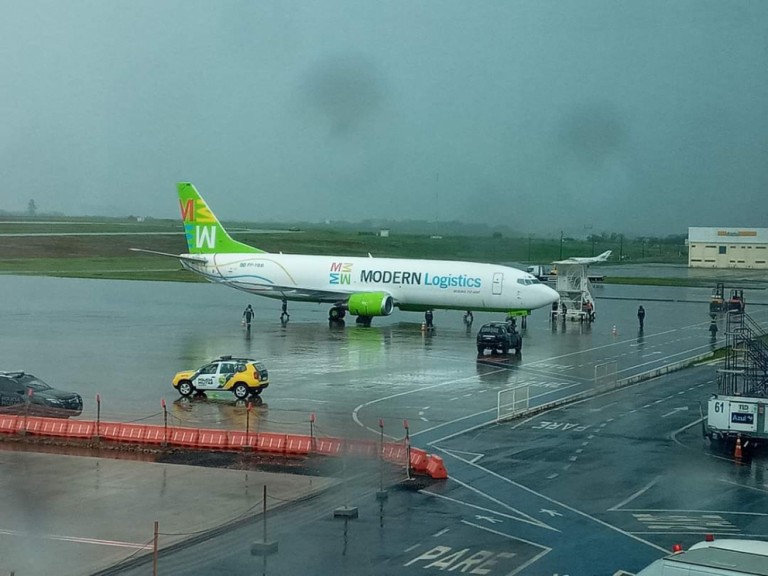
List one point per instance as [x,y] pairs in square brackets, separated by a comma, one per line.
[548,295]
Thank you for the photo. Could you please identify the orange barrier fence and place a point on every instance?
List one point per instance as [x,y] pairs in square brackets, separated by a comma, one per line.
[227,440]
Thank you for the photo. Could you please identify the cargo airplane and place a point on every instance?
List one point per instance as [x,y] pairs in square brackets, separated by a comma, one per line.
[364,287]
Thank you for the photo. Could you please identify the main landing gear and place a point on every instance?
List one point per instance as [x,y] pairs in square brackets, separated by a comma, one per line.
[336,316]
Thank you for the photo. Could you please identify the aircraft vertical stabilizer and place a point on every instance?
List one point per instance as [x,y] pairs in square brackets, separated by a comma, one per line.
[205,235]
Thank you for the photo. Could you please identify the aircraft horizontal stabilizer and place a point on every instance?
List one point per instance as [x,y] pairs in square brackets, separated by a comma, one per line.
[177,256]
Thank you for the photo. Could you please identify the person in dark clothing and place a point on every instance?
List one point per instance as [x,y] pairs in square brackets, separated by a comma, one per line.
[713,328]
[248,315]
[428,319]
[641,316]
[284,316]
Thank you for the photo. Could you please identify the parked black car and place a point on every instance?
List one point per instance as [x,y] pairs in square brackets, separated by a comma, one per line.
[498,336]
[22,393]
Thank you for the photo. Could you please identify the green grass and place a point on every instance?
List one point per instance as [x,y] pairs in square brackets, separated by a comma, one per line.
[109,256]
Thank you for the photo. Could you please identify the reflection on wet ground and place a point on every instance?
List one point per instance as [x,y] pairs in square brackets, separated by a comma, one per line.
[123,341]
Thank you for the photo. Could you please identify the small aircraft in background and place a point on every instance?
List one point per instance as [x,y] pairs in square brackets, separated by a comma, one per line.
[586,260]
[364,287]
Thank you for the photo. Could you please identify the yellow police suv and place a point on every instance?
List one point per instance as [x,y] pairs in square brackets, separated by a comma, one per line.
[241,376]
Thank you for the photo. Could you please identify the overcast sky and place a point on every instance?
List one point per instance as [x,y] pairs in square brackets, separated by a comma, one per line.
[643,117]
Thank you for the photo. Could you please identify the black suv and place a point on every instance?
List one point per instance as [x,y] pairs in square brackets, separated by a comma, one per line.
[22,393]
[498,336]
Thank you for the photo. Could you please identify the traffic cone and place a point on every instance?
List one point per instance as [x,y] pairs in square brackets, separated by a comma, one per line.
[737,451]
[614,331]
[423,326]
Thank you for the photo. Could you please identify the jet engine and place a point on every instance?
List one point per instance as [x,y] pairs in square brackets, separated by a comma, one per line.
[370,304]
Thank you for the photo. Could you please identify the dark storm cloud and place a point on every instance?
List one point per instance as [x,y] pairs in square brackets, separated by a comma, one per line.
[345,91]
[638,117]
[592,133]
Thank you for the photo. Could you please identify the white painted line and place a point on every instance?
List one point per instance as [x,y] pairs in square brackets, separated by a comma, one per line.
[755,488]
[443,531]
[565,506]
[675,510]
[520,517]
[635,495]
[476,455]
[553,476]
[78,540]
[544,549]
[411,548]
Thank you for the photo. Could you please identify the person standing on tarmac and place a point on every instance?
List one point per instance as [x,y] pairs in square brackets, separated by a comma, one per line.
[713,327]
[641,316]
[428,319]
[248,315]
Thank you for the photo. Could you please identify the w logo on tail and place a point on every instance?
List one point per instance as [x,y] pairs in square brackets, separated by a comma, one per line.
[205,237]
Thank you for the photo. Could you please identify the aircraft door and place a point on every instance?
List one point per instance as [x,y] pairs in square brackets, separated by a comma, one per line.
[497,284]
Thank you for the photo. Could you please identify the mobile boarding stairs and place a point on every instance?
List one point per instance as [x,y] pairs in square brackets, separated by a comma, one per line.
[741,404]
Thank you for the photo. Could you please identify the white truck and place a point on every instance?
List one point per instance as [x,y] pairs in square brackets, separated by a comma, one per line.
[728,557]
[734,416]
[540,271]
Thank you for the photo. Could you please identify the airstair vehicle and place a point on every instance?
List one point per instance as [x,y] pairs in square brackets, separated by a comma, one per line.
[740,406]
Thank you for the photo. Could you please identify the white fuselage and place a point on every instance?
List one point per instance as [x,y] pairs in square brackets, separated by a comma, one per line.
[413,284]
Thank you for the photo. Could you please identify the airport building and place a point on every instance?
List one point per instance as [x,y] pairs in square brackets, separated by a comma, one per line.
[728,248]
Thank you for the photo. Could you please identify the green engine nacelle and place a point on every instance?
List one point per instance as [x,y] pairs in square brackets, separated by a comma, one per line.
[370,304]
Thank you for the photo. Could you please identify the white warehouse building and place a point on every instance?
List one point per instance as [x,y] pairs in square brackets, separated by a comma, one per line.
[728,248]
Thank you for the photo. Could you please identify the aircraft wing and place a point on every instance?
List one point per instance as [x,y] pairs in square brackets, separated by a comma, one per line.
[290,292]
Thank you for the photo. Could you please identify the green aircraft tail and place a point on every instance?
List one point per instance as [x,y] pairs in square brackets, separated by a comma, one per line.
[205,234]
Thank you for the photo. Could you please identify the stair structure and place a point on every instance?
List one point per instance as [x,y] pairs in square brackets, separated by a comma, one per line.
[745,370]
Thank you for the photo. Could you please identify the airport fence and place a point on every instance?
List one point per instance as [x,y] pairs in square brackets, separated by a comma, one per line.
[512,403]
[606,375]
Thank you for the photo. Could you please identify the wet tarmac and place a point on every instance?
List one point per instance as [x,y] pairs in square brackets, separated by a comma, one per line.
[123,341]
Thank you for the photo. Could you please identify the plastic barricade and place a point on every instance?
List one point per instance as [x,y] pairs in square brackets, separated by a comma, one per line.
[394,453]
[241,440]
[132,433]
[298,445]
[365,448]
[271,443]
[436,468]
[30,424]
[183,437]
[8,424]
[80,429]
[328,446]
[54,427]
[156,434]
[109,431]
[214,439]
[419,460]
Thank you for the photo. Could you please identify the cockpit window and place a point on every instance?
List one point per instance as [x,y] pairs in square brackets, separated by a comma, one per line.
[528,281]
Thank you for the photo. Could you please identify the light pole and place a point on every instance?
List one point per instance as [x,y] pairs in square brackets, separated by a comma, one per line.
[561,245]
